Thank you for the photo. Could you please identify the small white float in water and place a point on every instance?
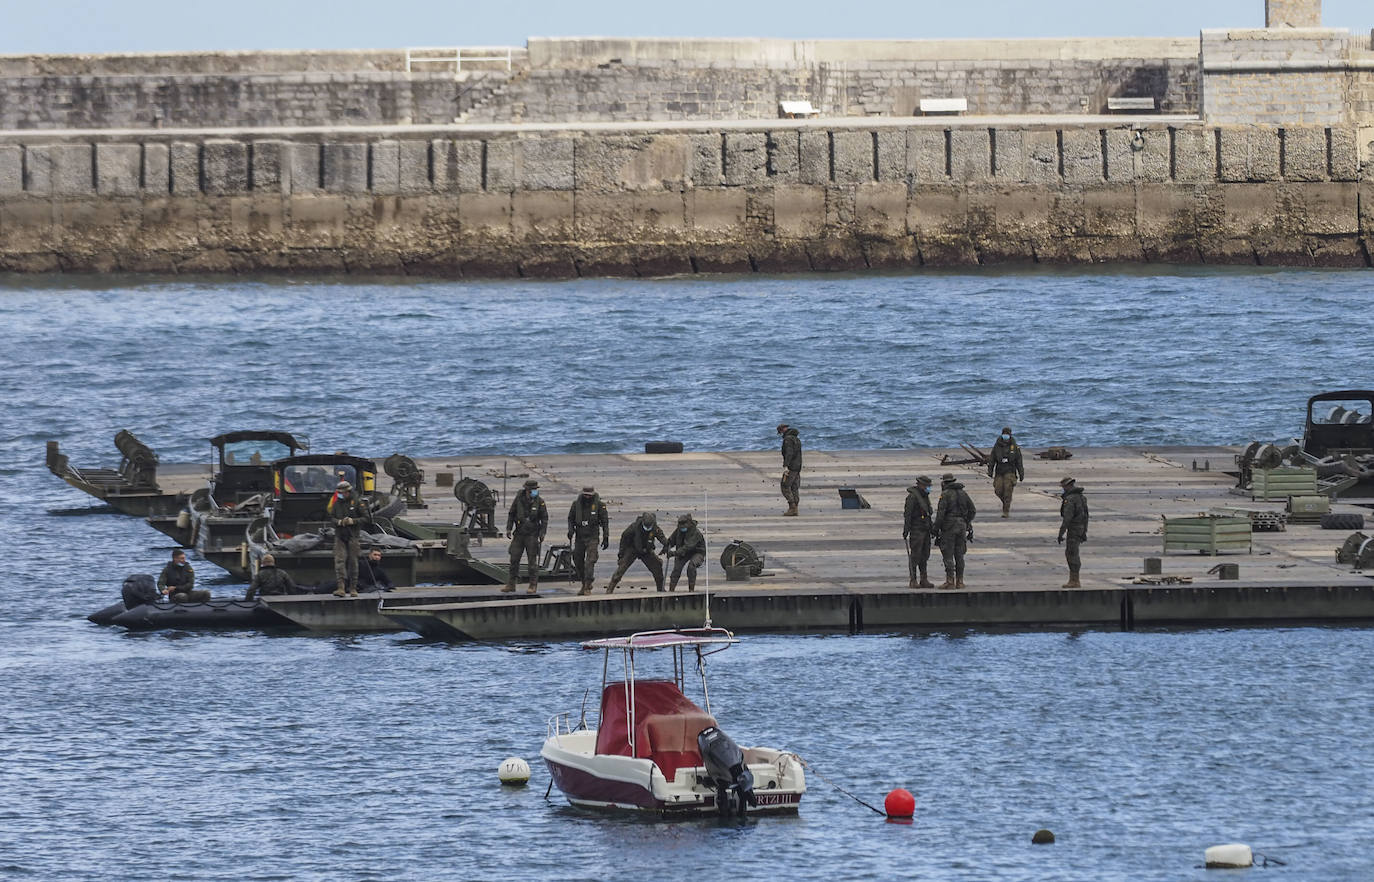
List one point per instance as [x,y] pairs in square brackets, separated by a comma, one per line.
[1228,857]
[514,771]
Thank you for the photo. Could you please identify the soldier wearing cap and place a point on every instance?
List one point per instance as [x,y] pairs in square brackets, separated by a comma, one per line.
[1073,526]
[917,528]
[270,580]
[1005,468]
[637,543]
[791,468]
[587,517]
[687,547]
[526,525]
[954,527]
[347,513]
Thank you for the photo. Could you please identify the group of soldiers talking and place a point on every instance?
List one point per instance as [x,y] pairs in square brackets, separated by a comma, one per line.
[946,523]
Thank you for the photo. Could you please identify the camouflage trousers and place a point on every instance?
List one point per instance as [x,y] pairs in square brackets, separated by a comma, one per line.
[584,556]
[1004,485]
[527,547]
[791,488]
[918,558]
[953,547]
[346,554]
[651,560]
[1071,544]
[692,564]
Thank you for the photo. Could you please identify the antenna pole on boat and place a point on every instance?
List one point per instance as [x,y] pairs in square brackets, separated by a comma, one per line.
[706,536]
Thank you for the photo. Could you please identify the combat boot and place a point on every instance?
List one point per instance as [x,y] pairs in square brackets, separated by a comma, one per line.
[1006,509]
[959,583]
[1073,580]
[533,589]
[948,583]
[791,510]
[913,584]
[508,588]
[353,591]
[586,589]
[340,591]
[925,583]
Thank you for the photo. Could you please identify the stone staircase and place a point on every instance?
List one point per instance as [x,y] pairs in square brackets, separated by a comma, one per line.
[489,93]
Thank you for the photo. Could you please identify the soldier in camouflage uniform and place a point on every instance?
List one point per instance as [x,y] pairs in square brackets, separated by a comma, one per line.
[687,547]
[178,581]
[348,513]
[526,525]
[1005,468]
[917,526]
[954,527]
[791,468]
[587,517]
[270,580]
[1073,526]
[637,543]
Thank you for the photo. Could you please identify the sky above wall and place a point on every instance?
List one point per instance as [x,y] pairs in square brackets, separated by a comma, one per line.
[154,25]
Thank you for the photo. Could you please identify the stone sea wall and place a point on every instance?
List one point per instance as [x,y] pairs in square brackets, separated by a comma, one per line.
[645,200]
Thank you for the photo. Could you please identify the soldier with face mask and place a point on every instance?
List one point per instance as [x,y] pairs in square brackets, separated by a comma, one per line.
[587,517]
[954,524]
[526,525]
[637,543]
[917,529]
[348,514]
[687,547]
[178,581]
[1005,468]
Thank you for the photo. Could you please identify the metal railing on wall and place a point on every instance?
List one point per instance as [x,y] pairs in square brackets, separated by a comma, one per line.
[457,56]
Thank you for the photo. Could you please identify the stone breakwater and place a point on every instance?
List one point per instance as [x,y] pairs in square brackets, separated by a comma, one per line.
[654,200]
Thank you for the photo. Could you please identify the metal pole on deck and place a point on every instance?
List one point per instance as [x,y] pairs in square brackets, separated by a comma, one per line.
[706,563]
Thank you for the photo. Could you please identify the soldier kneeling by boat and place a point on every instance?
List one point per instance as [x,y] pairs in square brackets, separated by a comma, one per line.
[270,580]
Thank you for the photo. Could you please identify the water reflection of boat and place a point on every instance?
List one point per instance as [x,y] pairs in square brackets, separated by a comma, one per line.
[656,750]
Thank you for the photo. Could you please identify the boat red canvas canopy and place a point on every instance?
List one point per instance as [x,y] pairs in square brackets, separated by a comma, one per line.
[664,639]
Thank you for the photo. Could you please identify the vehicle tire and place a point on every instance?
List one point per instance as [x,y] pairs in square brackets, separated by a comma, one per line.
[1341,521]
[662,446]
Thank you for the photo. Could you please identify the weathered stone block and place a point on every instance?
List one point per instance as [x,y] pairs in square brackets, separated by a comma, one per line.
[467,157]
[815,157]
[384,167]
[484,214]
[970,155]
[892,156]
[853,157]
[798,211]
[926,155]
[1082,156]
[658,213]
[1040,149]
[717,213]
[1165,211]
[344,168]
[1250,209]
[1151,154]
[1304,153]
[501,174]
[932,209]
[1332,209]
[640,162]
[1121,155]
[784,155]
[1249,153]
[443,165]
[1195,155]
[157,169]
[1008,154]
[706,161]
[746,158]
[11,169]
[880,209]
[60,169]
[1345,154]
[316,221]
[225,167]
[185,168]
[118,169]
[547,164]
[1109,211]
[269,167]
[305,168]
[542,214]
[1022,213]
[414,172]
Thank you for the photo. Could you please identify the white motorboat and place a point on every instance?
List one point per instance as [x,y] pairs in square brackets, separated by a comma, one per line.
[656,750]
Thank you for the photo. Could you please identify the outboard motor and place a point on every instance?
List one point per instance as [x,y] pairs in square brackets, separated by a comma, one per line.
[139,588]
[724,763]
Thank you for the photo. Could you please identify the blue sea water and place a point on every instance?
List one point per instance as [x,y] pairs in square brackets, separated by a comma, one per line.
[183,755]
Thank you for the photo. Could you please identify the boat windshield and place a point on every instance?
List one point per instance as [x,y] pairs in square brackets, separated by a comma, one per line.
[254,452]
[316,478]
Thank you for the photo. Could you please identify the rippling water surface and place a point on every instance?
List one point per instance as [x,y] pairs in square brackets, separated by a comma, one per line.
[184,755]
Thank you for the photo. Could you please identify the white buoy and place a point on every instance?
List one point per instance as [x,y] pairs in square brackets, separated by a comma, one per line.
[1228,857]
[515,772]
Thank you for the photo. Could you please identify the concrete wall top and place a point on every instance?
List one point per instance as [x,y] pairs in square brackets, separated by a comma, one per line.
[559,52]
[164,63]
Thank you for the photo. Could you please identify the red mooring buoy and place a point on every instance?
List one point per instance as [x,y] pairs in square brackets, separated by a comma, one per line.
[900,803]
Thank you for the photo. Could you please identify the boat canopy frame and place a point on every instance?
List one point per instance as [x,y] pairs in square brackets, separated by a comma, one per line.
[677,641]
